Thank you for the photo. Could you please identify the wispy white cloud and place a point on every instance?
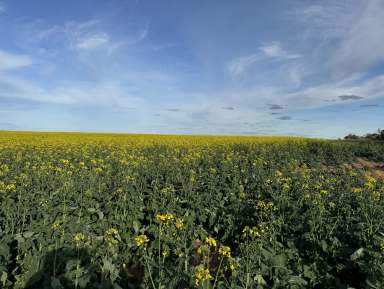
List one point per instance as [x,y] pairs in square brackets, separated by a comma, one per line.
[326,20]
[337,92]
[111,94]
[86,35]
[362,46]
[348,34]
[10,61]
[274,50]
[93,41]
[239,65]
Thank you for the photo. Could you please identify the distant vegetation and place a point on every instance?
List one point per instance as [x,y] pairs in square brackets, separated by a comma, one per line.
[379,135]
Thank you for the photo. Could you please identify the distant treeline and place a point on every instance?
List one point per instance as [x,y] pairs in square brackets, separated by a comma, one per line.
[379,135]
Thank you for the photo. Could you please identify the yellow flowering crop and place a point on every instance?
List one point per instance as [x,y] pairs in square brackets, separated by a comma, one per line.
[210,241]
[78,237]
[202,275]
[141,240]
[56,226]
[225,251]
[165,217]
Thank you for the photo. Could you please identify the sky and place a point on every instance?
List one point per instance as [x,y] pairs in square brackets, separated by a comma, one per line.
[234,67]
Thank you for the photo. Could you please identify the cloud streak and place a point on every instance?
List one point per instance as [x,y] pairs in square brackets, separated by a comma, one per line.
[93,41]
[274,50]
[11,61]
[270,51]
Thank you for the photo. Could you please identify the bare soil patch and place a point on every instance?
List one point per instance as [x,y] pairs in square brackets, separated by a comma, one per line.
[375,168]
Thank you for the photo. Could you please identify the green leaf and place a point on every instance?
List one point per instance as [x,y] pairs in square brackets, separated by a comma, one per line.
[136,226]
[3,277]
[28,234]
[357,254]
[280,260]
[260,280]
[56,284]
[298,281]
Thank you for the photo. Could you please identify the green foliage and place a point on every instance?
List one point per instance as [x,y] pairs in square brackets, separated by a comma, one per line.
[125,213]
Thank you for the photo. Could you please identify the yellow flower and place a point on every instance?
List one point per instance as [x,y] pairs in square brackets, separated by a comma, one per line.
[112,236]
[233,265]
[225,251]
[65,162]
[98,170]
[265,205]
[212,171]
[165,218]
[251,232]
[202,275]
[10,188]
[179,253]
[278,174]
[179,224]
[323,192]
[376,196]
[56,226]
[357,190]
[167,190]
[112,232]
[210,241]
[370,183]
[256,231]
[79,237]
[141,240]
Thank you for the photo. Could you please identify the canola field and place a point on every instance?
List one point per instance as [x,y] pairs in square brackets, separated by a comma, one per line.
[161,212]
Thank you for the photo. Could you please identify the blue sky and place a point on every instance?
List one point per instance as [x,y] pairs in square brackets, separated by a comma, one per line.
[312,68]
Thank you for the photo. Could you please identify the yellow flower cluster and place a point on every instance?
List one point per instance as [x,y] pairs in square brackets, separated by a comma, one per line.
[225,251]
[112,236]
[112,232]
[78,237]
[179,253]
[56,226]
[233,265]
[8,188]
[278,174]
[370,183]
[202,275]
[165,218]
[256,231]
[141,240]
[376,196]
[179,223]
[165,253]
[265,205]
[210,241]
[65,162]
[357,190]
[167,190]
